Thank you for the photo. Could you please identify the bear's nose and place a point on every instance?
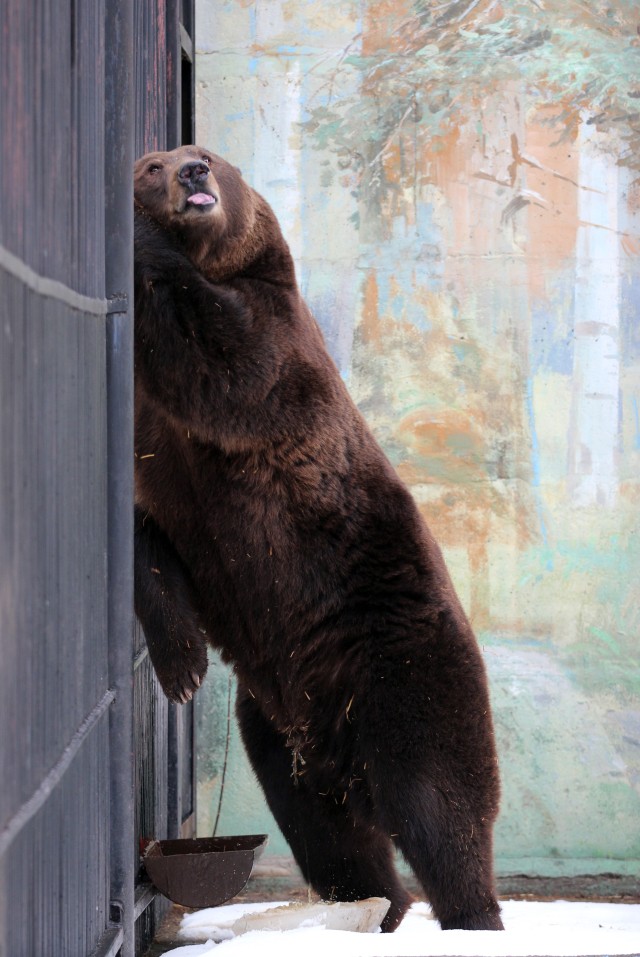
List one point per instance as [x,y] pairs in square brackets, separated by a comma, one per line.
[193,173]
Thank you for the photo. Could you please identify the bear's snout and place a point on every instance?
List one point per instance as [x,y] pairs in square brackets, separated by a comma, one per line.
[193,174]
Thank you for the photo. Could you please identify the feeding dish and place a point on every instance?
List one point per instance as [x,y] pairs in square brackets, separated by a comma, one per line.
[203,871]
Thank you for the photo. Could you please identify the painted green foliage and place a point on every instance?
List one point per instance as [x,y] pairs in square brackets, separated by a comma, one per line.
[429,68]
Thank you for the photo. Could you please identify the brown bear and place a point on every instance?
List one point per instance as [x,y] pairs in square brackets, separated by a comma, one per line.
[270,524]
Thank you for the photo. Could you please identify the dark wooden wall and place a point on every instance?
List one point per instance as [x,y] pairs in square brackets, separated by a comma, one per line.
[91,755]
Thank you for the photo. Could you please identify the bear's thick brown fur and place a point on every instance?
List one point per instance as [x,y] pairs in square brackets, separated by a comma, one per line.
[270,523]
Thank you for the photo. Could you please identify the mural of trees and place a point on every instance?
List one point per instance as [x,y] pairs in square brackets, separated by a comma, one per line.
[460,185]
[425,67]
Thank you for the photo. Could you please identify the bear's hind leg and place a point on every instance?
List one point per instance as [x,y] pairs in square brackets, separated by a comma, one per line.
[446,842]
[341,857]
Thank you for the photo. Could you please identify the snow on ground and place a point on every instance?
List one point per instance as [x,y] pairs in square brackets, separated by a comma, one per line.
[559,928]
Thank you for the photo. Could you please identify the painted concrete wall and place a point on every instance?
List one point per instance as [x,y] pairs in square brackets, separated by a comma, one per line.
[459,184]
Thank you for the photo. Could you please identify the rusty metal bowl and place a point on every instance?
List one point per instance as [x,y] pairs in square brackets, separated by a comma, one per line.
[203,871]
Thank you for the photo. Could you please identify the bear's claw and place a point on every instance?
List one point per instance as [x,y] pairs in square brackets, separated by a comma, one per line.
[180,678]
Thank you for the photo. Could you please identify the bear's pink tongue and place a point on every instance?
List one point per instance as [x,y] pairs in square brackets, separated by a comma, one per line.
[201,199]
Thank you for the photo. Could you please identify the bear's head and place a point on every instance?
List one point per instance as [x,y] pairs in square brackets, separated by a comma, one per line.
[223,224]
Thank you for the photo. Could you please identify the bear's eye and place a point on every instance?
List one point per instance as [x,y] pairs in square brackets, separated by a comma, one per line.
[154,168]
[206,159]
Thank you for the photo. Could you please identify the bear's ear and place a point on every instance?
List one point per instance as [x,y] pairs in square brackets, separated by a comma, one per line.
[238,170]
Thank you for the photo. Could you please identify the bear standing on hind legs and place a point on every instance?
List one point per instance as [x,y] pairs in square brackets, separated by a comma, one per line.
[269,523]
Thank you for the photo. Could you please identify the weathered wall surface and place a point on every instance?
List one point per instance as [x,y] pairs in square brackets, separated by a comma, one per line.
[460,189]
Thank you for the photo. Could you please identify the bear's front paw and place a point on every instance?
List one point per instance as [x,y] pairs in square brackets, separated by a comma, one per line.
[181,669]
[157,257]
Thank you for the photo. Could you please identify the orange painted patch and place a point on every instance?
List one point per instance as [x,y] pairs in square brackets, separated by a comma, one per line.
[552,228]
[370,325]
